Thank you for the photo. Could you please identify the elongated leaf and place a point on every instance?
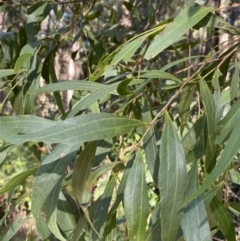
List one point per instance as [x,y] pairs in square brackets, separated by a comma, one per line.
[68,85]
[128,50]
[136,201]
[52,221]
[119,197]
[82,223]
[49,74]
[4,152]
[228,123]
[21,61]
[65,217]
[235,205]
[214,21]
[235,84]
[56,177]
[24,124]
[209,104]
[14,228]
[18,179]
[36,14]
[46,187]
[82,170]
[230,150]
[209,195]
[179,61]
[194,222]
[87,195]
[154,231]
[42,228]
[97,47]
[110,232]
[101,213]
[234,176]
[158,74]
[79,129]
[150,146]
[223,219]
[184,105]
[6,72]
[172,180]
[104,147]
[91,98]
[193,135]
[186,19]
[217,95]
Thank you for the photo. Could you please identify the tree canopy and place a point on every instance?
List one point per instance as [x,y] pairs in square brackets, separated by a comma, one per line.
[141,140]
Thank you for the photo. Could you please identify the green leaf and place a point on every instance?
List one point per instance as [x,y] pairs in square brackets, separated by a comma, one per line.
[214,21]
[36,14]
[234,176]
[6,72]
[24,124]
[186,19]
[93,15]
[223,219]
[4,152]
[228,123]
[68,85]
[46,187]
[209,195]
[172,180]
[79,129]
[82,223]
[129,48]
[42,228]
[209,104]
[86,101]
[149,144]
[192,137]
[184,105]
[82,171]
[65,217]
[158,74]
[17,180]
[136,201]
[101,211]
[119,197]
[49,75]
[154,231]
[122,88]
[32,81]
[110,232]
[230,150]
[235,206]
[217,95]
[194,222]
[97,47]
[14,228]
[173,63]
[235,84]
[21,61]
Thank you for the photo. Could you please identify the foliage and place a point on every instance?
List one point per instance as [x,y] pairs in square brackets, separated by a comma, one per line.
[137,123]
